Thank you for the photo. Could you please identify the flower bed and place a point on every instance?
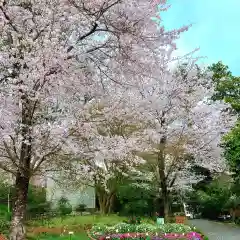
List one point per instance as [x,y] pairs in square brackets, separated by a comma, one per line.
[143,232]
[144,236]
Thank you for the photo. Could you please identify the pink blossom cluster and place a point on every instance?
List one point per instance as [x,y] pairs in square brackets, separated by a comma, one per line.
[166,236]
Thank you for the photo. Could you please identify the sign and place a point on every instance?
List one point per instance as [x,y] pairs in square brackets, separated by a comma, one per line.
[160,221]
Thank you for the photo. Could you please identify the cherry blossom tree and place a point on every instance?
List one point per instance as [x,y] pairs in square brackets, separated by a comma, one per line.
[107,155]
[182,123]
[55,57]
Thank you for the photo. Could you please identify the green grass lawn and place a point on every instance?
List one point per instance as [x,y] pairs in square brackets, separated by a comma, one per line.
[82,220]
[80,236]
[72,223]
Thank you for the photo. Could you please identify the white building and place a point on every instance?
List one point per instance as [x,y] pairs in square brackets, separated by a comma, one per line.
[55,190]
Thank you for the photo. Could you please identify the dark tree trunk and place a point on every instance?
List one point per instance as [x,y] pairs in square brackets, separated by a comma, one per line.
[165,203]
[163,179]
[105,203]
[102,204]
[102,201]
[17,231]
[111,203]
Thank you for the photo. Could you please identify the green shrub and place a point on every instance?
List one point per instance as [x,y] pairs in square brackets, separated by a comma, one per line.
[141,228]
[64,207]
[171,219]
[39,208]
[4,225]
[133,220]
[174,227]
[122,227]
[99,228]
[237,220]
[135,199]
[182,214]
[80,208]
[146,227]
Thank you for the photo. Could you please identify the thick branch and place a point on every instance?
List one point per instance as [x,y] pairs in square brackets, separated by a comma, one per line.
[80,38]
[8,19]
[7,169]
[52,152]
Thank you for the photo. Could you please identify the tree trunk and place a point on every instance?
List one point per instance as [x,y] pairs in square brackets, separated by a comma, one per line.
[233,214]
[17,230]
[105,201]
[111,202]
[163,178]
[102,202]
[165,204]
[107,205]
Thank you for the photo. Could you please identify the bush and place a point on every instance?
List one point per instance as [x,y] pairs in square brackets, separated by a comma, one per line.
[100,230]
[174,228]
[39,209]
[146,227]
[64,207]
[133,220]
[80,208]
[212,201]
[237,220]
[124,227]
[4,225]
[171,219]
[135,199]
[136,207]
[4,214]
[181,214]
[36,200]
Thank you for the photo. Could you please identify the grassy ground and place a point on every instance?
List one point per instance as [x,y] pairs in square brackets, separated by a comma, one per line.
[80,236]
[72,223]
[82,220]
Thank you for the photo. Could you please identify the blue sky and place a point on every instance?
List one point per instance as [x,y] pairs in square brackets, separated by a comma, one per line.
[216,29]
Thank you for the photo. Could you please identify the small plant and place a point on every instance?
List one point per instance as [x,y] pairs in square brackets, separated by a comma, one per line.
[81,208]
[171,219]
[145,230]
[237,220]
[180,214]
[133,220]
[64,207]
[4,225]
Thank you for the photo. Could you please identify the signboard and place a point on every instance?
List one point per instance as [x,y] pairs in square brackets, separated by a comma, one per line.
[160,221]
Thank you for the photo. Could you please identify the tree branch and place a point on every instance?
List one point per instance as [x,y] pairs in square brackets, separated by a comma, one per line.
[52,152]
[80,38]
[11,157]
[7,169]
[8,19]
